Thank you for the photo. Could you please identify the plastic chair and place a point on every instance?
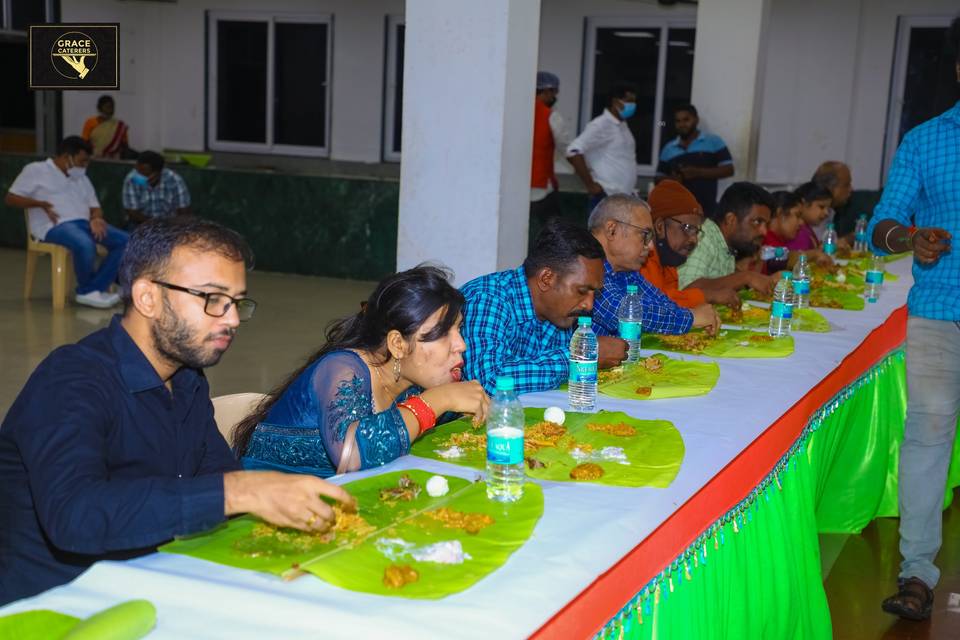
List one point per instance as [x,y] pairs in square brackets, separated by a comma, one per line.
[61,269]
[229,410]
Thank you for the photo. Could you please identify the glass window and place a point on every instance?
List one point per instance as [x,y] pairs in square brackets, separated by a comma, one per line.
[393,89]
[242,81]
[270,92]
[930,87]
[656,59]
[300,84]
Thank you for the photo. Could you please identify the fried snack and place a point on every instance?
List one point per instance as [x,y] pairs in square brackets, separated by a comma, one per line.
[543,434]
[396,576]
[620,429]
[760,338]
[405,491]
[467,440]
[609,375]
[472,523]
[586,471]
[653,364]
[644,391]
[692,342]
[533,463]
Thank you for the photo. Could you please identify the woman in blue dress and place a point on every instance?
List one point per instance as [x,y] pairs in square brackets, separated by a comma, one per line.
[379,382]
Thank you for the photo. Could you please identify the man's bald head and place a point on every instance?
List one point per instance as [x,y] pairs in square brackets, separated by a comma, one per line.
[835,176]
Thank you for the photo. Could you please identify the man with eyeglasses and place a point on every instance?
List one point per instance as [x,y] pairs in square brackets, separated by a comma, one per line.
[736,229]
[678,222]
[623,226]
[111,448]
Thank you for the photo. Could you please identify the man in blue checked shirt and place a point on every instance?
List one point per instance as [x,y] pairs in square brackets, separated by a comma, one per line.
[920,211]
[519,322]
[152,191]
[623,225]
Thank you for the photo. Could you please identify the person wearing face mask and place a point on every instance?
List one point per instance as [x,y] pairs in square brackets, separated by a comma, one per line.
[694,158]
[519,322]
[63,209]
[678,223]
[152,191]
[107,134]
[604,155]
[623,227]
[737,227]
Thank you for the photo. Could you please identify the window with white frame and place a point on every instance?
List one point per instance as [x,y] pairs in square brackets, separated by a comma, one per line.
[268,78]
[655,56]
[393,89]
[924,81]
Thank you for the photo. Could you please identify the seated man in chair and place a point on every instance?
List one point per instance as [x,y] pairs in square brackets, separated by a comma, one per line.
[63,209]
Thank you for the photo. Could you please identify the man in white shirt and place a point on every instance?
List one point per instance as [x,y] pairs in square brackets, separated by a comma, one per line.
[604,155]
[63,209]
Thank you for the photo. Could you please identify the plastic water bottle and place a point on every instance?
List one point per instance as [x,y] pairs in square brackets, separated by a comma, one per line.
[801,284]
[830,241]
[860,235]
[631,322]
[584,351]
[781,311]
[874,278]
[505,424]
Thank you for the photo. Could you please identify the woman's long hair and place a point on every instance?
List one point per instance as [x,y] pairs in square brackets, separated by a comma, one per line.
[401,302]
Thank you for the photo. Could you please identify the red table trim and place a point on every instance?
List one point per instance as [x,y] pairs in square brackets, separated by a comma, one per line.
[586,614]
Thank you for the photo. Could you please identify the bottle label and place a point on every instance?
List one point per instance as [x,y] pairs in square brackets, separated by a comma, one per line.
[874,277]
[581,372]
[502,450]
[629,330]
[782,310]
[829,248]
[801,288]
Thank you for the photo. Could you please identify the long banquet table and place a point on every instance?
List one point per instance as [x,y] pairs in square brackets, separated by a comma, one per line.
[597,556]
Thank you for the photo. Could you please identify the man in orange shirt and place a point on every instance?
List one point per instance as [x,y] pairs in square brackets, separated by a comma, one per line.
[544,199]
[677,219]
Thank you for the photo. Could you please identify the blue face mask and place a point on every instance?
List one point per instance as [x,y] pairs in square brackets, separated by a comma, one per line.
[139,179]
[628,109]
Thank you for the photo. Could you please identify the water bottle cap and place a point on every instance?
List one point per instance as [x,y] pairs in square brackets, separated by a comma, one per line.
[584,321]
[787,275]
[504,383]
[632,289]
[830,225]
[779,252]
[862,216]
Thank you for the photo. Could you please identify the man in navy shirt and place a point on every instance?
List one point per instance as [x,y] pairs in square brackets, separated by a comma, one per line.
[111,447]
[694,158]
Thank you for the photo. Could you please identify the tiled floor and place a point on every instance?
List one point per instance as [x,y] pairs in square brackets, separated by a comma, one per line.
[289,325]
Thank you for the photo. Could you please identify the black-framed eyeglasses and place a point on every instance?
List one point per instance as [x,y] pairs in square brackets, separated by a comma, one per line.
[216,304]
[646,233]
[691,230]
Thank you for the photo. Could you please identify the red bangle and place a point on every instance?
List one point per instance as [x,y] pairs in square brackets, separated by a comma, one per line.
[426,417]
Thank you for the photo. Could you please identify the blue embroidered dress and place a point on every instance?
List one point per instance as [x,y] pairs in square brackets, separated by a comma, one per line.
[306,429]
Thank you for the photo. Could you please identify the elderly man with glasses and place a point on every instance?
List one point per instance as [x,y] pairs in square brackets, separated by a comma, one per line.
[623,226]
[678,222]
[111,448]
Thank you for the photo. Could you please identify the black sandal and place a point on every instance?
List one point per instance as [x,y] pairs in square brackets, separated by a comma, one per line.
[913,601]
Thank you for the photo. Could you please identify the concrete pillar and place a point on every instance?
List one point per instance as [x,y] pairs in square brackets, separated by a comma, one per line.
[469,83]
[727,75]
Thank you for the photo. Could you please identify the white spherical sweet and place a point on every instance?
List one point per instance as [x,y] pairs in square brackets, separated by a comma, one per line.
[437,486]
[554,414]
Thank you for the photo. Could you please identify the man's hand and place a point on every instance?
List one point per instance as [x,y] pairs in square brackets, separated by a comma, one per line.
[930,243]
[689,173]
[612,352]
[760,283]
[594,188]
[818,256]
[98,227]
[48,209]
[286,500]
[725,296]
[705,316]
